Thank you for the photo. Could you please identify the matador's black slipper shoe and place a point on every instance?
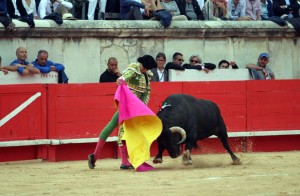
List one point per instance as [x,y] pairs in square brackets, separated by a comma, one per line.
[126,166]
[91,161]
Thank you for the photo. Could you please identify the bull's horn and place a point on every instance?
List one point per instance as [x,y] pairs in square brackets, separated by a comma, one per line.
[181,131]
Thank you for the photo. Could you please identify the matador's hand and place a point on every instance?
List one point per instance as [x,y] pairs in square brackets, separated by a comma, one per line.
[118,81]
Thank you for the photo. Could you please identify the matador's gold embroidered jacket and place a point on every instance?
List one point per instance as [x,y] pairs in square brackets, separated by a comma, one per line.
[137,81]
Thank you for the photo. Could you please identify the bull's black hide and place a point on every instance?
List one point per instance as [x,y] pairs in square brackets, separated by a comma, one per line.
[185,121]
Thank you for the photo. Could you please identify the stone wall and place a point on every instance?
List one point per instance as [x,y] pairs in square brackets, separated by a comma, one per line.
[84,46]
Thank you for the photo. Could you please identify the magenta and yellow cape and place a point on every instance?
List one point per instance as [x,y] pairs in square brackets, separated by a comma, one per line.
[141,125]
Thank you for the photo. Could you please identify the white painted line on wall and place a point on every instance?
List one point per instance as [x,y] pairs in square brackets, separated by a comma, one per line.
[19,109]
[115,138]
[53,141]
[81,140]
[25,143]
[261,133]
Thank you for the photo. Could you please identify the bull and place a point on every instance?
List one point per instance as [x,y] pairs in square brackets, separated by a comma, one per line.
[187,120]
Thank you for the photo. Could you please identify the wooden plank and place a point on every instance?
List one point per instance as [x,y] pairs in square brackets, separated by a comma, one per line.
[90,89]
[16,78]
[214,87]
[81,129]
[85,102]
[22,118]
[214,75]
[90,115]
[51,109]
[273,105]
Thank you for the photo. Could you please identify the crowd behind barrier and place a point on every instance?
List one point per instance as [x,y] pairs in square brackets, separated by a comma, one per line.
[96,41]
[165,11]
[41,66]
[196,70]
[162,73]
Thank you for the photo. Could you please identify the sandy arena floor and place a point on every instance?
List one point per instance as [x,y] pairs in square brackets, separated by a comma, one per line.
[259,174]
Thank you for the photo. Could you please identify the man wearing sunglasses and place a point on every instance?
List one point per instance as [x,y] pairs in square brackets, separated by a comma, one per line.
[196,63]
[177,62]
[261,71]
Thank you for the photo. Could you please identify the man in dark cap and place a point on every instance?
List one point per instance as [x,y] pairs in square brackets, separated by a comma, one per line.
[261,71]
[137,77]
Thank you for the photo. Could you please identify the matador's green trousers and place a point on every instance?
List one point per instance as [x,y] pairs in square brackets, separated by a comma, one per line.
[111,125]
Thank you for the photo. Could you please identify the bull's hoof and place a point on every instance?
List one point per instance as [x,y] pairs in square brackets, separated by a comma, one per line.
[187,162]
[236,162]
[186,159]
[157,160]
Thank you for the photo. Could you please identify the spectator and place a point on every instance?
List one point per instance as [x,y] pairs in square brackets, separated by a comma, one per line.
[216,10]
[177,62]
[5,69]
[225,65]
[261,71]
[55,10]
[112,73]
[172,8]
[45,66]
[201,4]
[12,9]
[130,10]
[253,9]
[92,8]
[286,8]
[21,65]
[266,9]
[152,5]
[160,74]
[27,11]
[191,9]
[196,63]
[4,18]
[237,10]
[112,10]
[2,68]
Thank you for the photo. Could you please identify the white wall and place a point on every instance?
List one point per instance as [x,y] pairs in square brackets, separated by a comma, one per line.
[84,47]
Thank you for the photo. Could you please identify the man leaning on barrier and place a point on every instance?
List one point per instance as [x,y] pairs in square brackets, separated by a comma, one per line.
[261,71]
[45,66]
[20,65]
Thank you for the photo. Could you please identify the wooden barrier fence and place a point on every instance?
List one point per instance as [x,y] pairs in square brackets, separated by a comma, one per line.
[59,122]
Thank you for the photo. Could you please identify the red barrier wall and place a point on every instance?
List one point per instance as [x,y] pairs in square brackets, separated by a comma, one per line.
[28,123]
[79,110]
[273,105]
[82,110]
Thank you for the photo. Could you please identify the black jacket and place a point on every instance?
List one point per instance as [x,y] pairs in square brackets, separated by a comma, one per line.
[171,65]
[294,6]
[209,66]
[108,77]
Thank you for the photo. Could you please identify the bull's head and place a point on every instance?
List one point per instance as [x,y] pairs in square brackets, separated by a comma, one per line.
[171,140]
[171,137]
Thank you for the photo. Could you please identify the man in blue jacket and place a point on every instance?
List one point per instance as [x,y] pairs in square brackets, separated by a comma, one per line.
[21,65]
[130,10]
[45,66]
